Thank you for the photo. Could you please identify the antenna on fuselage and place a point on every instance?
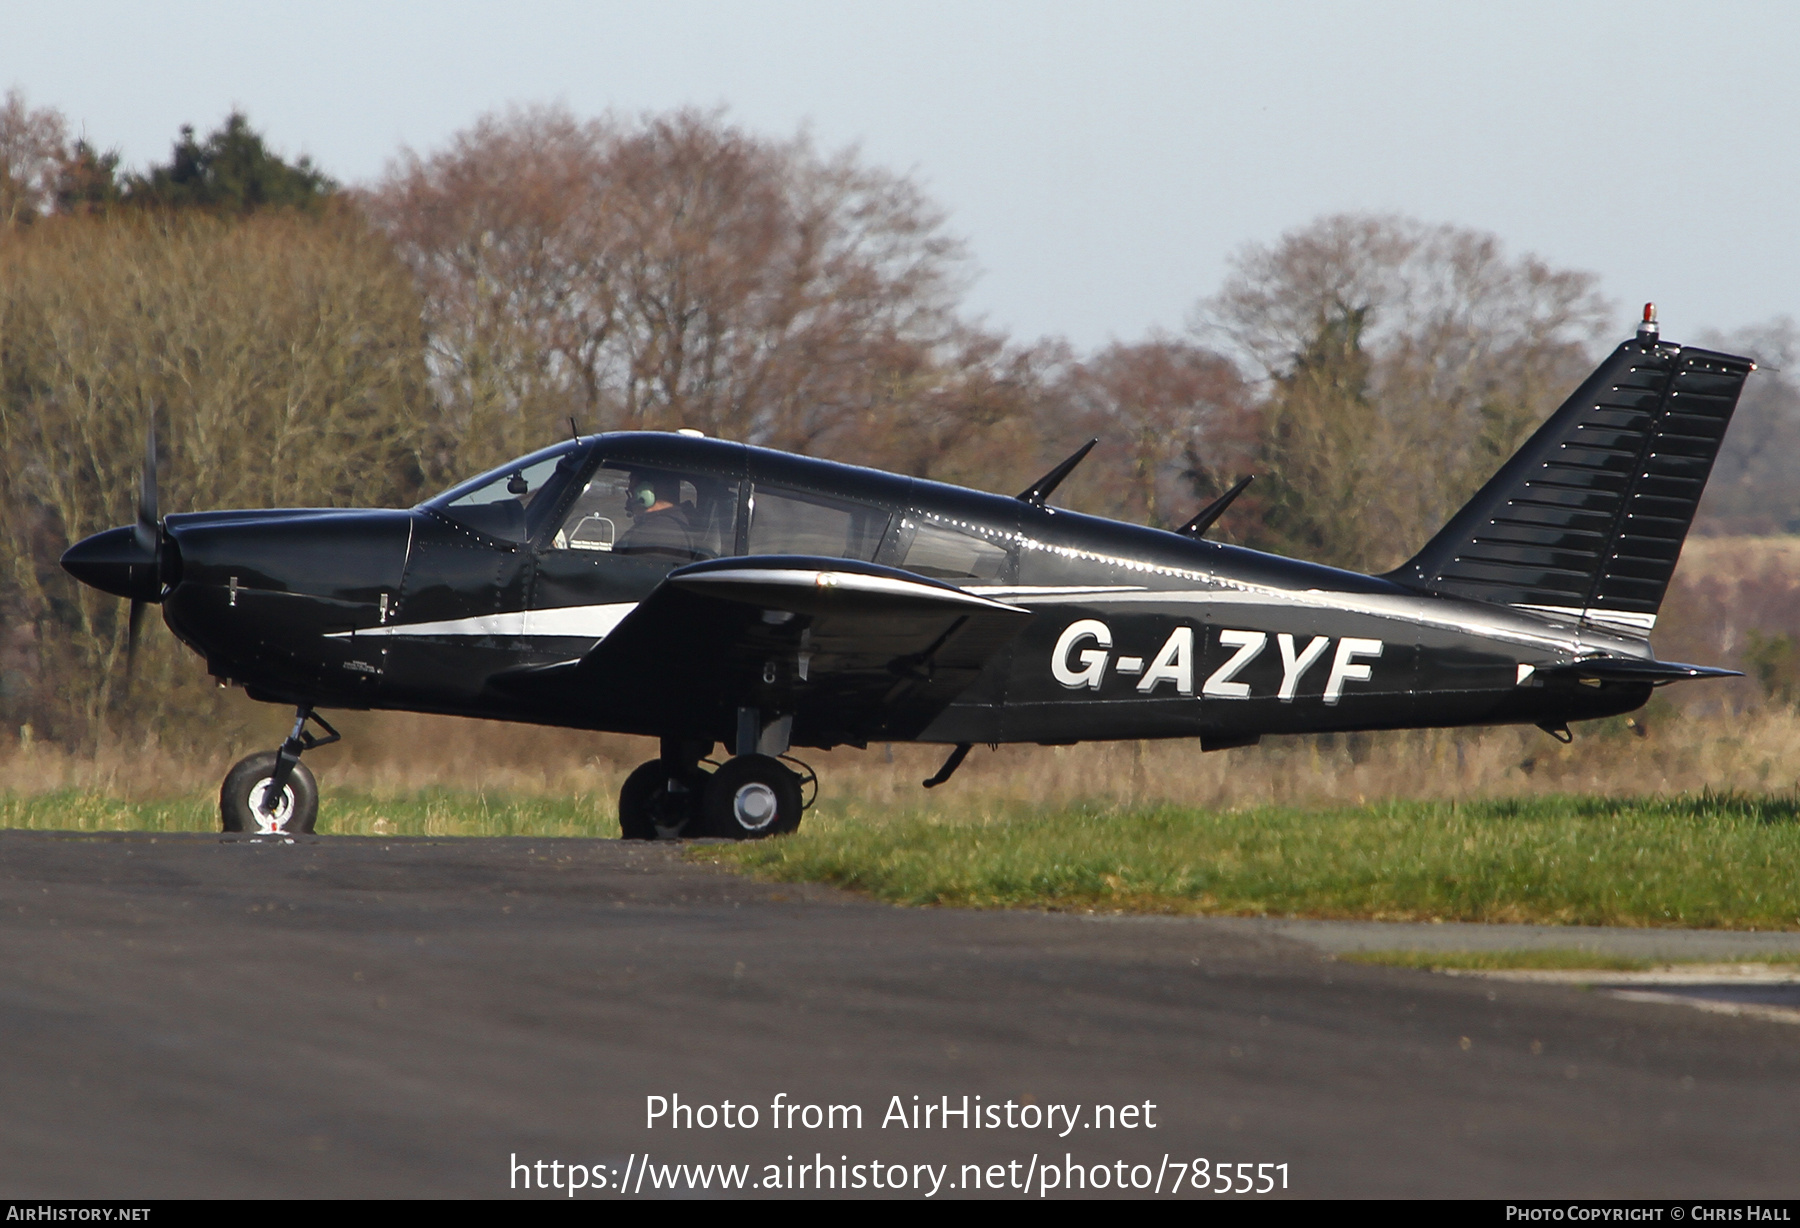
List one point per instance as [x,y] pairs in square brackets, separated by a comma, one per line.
[1041,489]
[1203,520]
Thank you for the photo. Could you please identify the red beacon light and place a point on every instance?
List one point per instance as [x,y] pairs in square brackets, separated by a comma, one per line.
[1647,331]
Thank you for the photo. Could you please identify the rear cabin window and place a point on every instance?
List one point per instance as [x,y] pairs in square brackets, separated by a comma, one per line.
[950,554]
[789,522]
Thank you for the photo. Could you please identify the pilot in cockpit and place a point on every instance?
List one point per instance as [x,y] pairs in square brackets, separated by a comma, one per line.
[661,525]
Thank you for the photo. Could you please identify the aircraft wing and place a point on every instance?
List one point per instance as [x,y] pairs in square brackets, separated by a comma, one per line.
[855,651]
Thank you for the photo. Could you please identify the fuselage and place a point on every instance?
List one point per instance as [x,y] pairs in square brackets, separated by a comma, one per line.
[1136,632]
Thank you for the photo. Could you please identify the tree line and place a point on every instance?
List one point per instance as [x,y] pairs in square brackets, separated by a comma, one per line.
[299,341]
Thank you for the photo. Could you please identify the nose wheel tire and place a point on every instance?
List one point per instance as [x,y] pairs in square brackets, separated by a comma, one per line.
[247,785]
[752,796]
[650,810]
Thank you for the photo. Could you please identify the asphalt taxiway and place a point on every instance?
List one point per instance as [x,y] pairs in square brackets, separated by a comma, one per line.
[195,1015]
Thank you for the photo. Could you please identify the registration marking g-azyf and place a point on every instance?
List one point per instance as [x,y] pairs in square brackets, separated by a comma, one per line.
[1084,651]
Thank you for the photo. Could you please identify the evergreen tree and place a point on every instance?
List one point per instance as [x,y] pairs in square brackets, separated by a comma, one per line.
[88,181]
[230,172]
[1318,430]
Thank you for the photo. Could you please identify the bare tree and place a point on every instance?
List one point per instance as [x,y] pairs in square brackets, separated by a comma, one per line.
[1403,362]
[1755,488]
[1175,422]
[672,271]
[507,238]
[280,356]
[33,148]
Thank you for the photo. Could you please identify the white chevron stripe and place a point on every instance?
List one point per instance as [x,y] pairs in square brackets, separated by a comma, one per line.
[594,622]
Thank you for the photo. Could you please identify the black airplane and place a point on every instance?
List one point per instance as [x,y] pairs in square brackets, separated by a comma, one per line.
[703,592]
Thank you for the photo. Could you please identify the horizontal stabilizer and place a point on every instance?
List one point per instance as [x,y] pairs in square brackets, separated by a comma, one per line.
[1587,519]
[1631,669]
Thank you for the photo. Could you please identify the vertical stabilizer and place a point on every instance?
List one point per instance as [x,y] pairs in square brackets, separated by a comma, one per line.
[1588,517]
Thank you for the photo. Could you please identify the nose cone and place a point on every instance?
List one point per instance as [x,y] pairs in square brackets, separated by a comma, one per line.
[116,562]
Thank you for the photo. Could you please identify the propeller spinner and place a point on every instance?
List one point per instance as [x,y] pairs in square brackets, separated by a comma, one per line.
[127,561]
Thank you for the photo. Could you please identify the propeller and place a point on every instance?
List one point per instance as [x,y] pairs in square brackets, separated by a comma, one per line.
[131,561]
[148,534]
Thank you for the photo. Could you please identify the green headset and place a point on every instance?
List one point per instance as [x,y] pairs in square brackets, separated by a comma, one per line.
[643,496]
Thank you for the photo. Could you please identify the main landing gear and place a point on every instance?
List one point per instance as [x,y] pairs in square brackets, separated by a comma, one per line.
[752,795]
[272,793]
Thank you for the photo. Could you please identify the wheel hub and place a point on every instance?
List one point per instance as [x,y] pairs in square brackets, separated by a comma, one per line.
[271,824]
[754,806]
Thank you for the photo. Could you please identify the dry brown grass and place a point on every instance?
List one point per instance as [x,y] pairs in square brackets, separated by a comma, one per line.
[1724,589]
[1678,754]
[397,753]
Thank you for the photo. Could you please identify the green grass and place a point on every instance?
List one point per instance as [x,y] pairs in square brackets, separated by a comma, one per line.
[1709,861]
[432,813]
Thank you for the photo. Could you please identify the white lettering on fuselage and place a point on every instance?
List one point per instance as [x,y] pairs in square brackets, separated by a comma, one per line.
[1083,652]
[1342,671]
[1175,663]
[1093,660]
[1249,645]
[1293,666]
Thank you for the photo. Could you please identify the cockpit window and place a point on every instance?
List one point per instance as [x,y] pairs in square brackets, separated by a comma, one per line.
[510,502]
[634,509]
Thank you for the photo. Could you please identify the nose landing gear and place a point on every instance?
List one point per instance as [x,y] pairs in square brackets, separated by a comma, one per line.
[272,792]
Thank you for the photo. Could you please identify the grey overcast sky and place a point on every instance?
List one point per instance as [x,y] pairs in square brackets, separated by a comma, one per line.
[1102,160]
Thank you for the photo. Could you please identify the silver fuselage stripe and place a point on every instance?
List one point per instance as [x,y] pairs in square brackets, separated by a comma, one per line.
[1520,625]
[1624,619]
[1508,624]
[833,581]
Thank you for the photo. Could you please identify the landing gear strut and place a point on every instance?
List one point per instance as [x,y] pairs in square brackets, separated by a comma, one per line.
[755,795]
[272,792]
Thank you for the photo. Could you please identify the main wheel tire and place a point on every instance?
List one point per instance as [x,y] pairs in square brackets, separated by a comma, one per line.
[649,810]
[752,796]
[247,783]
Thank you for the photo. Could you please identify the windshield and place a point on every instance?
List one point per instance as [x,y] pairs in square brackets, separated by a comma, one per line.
[510,502]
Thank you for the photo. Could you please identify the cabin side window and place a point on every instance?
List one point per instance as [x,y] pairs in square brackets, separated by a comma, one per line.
[943,553]
[637,510]
[790,522]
